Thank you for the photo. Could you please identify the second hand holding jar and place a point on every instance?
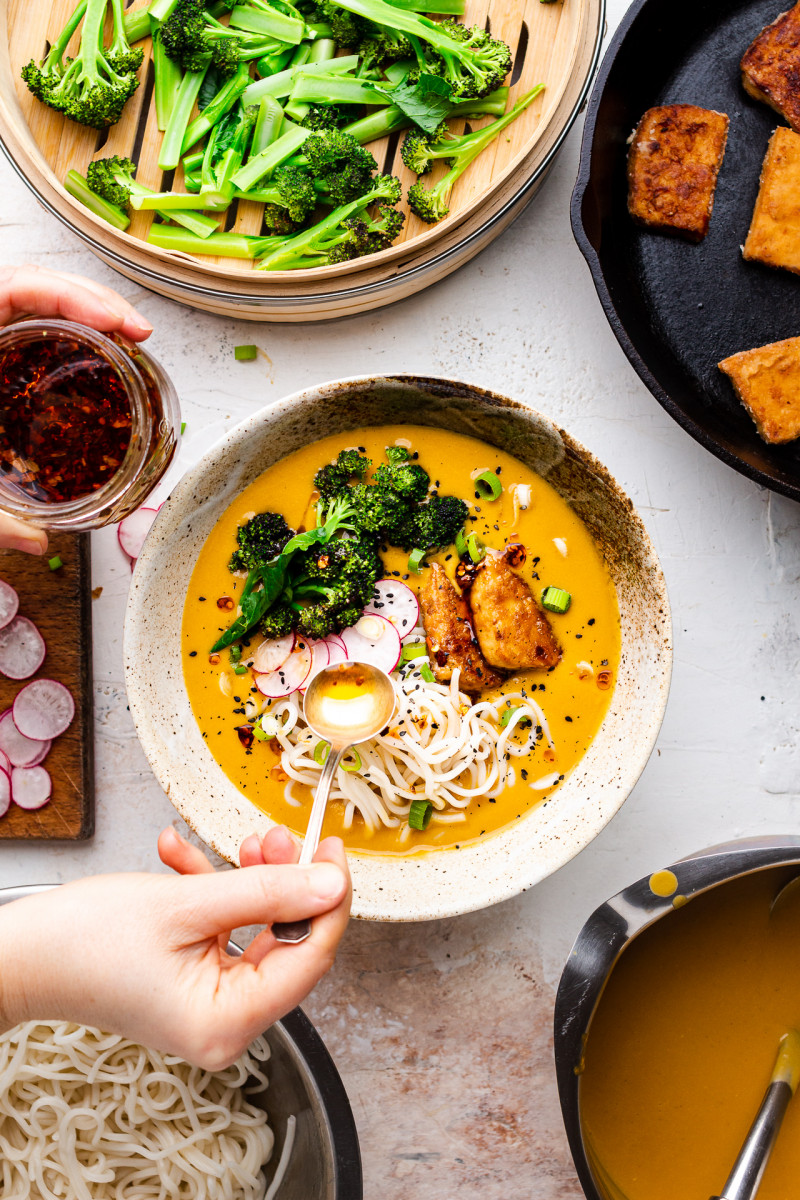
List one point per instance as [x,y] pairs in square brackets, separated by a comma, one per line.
[89,424]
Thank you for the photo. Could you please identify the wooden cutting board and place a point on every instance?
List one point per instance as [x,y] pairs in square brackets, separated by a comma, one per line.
[60,604]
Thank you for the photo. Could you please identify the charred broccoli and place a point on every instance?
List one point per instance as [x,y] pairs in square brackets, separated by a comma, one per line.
[279,620]
[260,539]
[332,479]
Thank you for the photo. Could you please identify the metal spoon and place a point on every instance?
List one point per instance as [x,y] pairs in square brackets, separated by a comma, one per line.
[344,704]
[745,1178]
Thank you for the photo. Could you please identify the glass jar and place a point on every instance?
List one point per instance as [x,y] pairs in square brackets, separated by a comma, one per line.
[70,397]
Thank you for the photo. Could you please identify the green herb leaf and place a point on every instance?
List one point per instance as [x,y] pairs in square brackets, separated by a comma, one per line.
[426,103]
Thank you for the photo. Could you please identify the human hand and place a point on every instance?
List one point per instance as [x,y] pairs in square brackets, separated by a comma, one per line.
[145,955]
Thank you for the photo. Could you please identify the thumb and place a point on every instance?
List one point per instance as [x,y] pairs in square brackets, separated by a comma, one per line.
[260,895]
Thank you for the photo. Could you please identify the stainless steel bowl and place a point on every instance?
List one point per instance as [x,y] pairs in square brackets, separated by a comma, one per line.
[303,1080]
[603,938]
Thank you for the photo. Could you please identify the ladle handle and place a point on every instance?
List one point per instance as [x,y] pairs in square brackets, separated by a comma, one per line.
[744,1179]
[298,931]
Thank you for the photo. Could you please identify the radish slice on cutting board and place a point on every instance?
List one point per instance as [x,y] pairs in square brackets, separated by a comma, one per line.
[5,792]
[9,603]
[22,649]
[43,709]
[271,654]
[18,750]
[397,603]
[30,787]
[373,640]
[133,530]
[290,676]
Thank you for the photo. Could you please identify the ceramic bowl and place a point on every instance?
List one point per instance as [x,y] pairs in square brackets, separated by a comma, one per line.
[325,1161]
[441,883]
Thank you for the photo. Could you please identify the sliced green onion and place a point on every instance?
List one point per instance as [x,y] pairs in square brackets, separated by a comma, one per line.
[240,669]
[245,353]
[416,561]
[236,653]
[260,733]
[55,562]
[415,650]
[355,766]
[427,674]
[507,715]
[556,599]
[419,815]
[489,485]
[183,428]
[461,544]
[475,548]
[321,752]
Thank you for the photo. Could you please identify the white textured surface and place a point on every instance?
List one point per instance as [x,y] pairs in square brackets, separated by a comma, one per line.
[441,1031]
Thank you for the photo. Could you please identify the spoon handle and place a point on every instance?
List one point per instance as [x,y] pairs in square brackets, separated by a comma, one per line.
[744,1179]
[298,931]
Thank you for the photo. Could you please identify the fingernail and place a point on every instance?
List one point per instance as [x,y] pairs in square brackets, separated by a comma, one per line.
[327,881]
[140,323]
[26,545]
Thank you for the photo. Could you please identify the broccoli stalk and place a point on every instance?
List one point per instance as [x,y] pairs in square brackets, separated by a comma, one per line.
[178,121]
[280,83]
[262,19]
[111,181]
[419,153]
[332,88]
[323,50]
[260,165]
[344,234]
[167,77]
[223,102]
[226,245]
[90,89]
[78,187]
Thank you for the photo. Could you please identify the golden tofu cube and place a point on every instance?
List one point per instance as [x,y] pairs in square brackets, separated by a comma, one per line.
[673,163]
[771,66]
[774,236]
[767,381]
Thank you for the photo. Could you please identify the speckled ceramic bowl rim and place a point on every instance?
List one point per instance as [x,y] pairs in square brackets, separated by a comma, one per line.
[436,884]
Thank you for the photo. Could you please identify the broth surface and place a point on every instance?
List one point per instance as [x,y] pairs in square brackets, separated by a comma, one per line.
[683,1043]
[570,697]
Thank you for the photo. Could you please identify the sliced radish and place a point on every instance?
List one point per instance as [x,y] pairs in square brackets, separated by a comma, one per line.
[133,530]
[382,651]
[271,655]
[30,787]
[20,751]
[5,761]
[5,792]
[43,709]
[337,651]
[290,676]
[9,603]
[45,748]
[320,657]
[22,649]
[397,603]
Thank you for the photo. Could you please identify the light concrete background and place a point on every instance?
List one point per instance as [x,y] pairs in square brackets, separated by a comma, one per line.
[442,1031]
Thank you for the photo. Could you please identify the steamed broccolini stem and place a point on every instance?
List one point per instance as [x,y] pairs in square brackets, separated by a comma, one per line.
[179,119]
[256,168]
[227,245]
[281,84]
[268,22]
[167,82]
[137,24]
[268,125]
[77,187]
[322,51]
[330,88]
[222,103]
[388,120]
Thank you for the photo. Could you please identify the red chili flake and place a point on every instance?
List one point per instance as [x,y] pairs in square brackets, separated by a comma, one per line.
[245,733]
[515,554]
[603,680]
[65,419]
[213,659]
[225,602]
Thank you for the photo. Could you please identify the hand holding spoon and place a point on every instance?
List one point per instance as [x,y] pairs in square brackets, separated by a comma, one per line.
[344,704]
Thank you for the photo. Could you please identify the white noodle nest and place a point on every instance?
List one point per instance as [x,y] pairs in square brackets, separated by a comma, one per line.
[86,1115]
[439,746]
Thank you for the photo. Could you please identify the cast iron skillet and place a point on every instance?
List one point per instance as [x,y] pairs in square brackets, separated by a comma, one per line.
[676,308]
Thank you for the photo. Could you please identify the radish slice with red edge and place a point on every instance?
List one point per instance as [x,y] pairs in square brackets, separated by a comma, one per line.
[320,658]
[43,709]
[5,792]
[132,530]
[271,654]
[20,751]
[5,761]
[41,756]
[9,603]
[373,640]
[22,649]
[288,677]
[30,787]
[337,651]
[397,603]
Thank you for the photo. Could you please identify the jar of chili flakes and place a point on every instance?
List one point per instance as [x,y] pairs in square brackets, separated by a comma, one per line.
[89,423]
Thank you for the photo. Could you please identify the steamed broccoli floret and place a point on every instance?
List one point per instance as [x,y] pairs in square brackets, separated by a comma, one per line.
[322,117]
[191,36]
[346,29]
[383,46]
[111,178]
[340,164]
[260,539]
[91,88]
[295,200]
[332,479]
[420,152]
[407,479]
[279,621]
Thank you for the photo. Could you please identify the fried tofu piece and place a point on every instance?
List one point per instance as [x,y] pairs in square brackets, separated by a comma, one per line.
[771,66]
[774,236]
[673,164]
[513,632]
[450,636]
[767,381]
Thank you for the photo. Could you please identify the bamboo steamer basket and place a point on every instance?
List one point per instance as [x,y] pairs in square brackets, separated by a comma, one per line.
[556,44]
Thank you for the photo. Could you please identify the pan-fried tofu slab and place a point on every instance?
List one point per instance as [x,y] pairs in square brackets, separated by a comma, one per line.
[673,163]
[774,236]
[771,66]
[513,632]
[767,381]
[450,637]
